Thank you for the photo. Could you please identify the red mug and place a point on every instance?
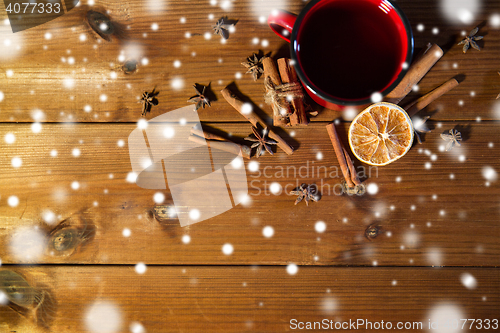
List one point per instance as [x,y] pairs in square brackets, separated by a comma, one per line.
[347,52]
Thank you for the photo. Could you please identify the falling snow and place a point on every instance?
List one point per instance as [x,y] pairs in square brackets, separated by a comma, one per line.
[48,216]
[444,313]
[131,177]
[460,11]
[268,231]
[275,188]
[495,20]
[292,269]
[349,113]
[140,268]
[13,201]
[69,83]
[376,97]
[126,232]
[159,197]
[136,327]
[10,138]
[36,127]
[186,239]
[227,249]
[27,244]
[329,305]
[194,214]
[372,188]
[320,226]
[253,166]
[3,298]
[411,239]
[103,317]
[489,173]
[17,162]
[177,83]
[468,280]
[434,257]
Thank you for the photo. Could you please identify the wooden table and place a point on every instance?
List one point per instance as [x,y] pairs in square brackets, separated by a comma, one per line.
[436,252]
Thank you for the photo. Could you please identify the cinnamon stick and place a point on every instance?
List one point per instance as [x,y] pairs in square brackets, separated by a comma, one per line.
[415,73]
[196,130]
[271,72]
[425,100]
[354,176]
[289,75]
[228,146]
[253,118]
[342,157]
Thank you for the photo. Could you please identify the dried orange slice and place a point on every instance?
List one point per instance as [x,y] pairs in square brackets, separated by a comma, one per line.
[381,134]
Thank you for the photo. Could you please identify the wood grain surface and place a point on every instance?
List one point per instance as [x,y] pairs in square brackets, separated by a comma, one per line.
[422,243]
[426,203]
[256,299]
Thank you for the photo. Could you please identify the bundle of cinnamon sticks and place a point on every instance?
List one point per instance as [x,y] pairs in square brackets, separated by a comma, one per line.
[284,93]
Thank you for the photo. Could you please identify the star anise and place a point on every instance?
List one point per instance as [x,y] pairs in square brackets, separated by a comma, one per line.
[306,192]
[420,127]
[200,99]
[471,40]
[454,138]
[220,28]
[148,100]
[261,141]
[254,66]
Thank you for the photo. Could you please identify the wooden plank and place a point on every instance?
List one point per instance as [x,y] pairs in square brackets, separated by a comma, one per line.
[445,215]
[45,77]
[257,299]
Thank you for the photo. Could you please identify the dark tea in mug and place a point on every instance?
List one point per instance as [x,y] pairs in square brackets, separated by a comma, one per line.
[350,49]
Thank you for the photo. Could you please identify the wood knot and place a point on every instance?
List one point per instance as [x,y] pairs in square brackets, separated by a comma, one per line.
[69,235]
[163,213]
[129,67]
[372,231]
[101,24]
